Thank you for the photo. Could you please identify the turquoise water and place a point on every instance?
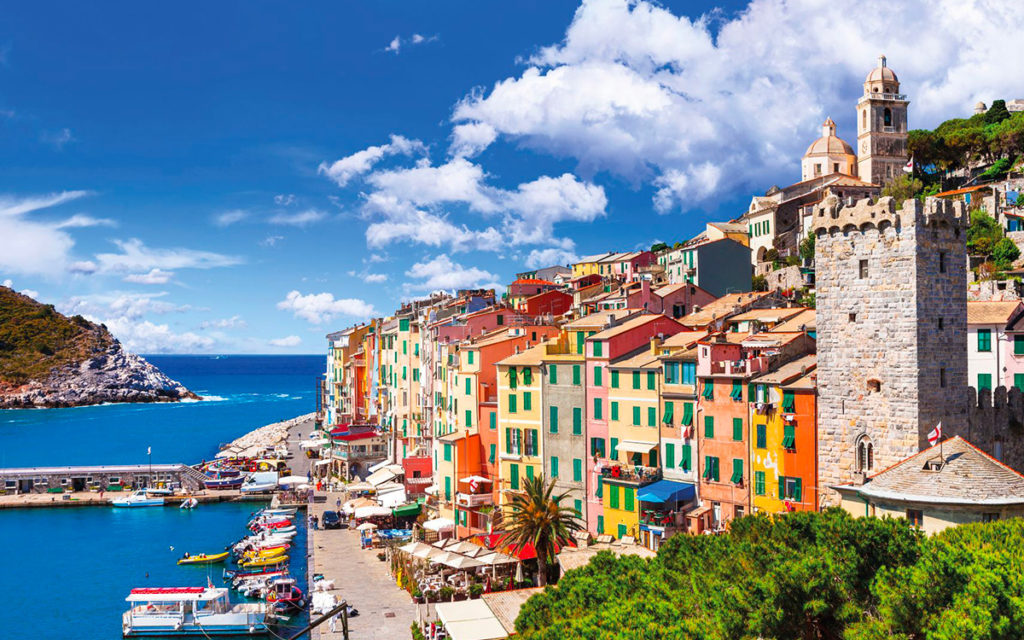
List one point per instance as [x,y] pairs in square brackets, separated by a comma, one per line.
[72,568]
[243,392]
[68,570]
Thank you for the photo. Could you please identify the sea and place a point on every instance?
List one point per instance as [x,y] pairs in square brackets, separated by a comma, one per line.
[68,570]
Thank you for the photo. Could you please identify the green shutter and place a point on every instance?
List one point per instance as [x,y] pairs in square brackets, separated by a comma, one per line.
[552,374]
[615,379]
[577,470]
[469,357]
[984,381]
[636,379]
[527,401]
[737,471]
[576,374]
[650,381]
[469,384]
[709,389]
[514,476]
[759,483]
[577,421]
[667,418]
[621,531]
[447,452]
[788,402]
[709,426]
[598,349]
[554,466]
[615,409]
[512,403]
[613,496]
[513,378]
[687,414]
[1018,381]
[737,390]
[600,524]
[628,503]
[553,418]
[984,339]
[1018,345]
[684,464]
[494,420]
[613,452]
[797,489]
[782,487]
[508,441]
[447,488]
[652,416]
[491,457]
[762,436]
[670,455]
[788,437]
[597,409]
[580,337]
[597,376]
[577,506]
[636,416]
[737,429]
[599,490]
[469,418]
[527,376]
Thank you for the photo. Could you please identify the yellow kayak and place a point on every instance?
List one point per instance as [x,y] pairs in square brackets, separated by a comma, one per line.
[263,553]
[204,558]
[263,562]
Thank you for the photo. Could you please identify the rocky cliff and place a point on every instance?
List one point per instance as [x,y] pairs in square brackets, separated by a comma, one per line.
[50,360]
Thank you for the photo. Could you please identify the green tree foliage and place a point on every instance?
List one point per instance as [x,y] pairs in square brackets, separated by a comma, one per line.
[997,112]
[658,246]
[1005,253]
[758,283]
[801,575]
[953,144]
[536,516]
[807,247]
[982,234]
[904,187]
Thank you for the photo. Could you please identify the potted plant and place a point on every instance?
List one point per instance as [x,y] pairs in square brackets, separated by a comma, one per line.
[417,596]
[476,590]
[446,593]
[430,595]
[382,556]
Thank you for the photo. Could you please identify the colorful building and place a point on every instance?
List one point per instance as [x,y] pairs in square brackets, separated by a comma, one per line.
[519,419]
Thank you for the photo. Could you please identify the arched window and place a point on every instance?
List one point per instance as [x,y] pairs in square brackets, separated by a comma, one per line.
[864,119]
[865,454]
[887,117]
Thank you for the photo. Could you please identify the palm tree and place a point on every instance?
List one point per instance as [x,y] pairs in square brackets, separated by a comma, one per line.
[537,517]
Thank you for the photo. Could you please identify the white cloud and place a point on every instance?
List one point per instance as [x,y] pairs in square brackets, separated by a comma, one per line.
[83,267]
[147,337]
[234,322]
[31,246]
[57,139]
[396,44]
[442,273]
[32,293]
[458,180]
[228,218]
[540,258]
[120,304]
[701,107]
[82,221]
[300,219]
[360,162]
[154,276]
[284,199]
[375,277]
[137,257]
[290,341]
[271,241]
[8,283]
[15,206]
[318,308]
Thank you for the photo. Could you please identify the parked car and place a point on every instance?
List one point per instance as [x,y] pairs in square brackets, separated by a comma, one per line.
[331,520]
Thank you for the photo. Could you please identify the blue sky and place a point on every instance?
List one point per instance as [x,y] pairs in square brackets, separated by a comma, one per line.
[244,177]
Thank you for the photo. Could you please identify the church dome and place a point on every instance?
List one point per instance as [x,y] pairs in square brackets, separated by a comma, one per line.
[829,144]
[882,74]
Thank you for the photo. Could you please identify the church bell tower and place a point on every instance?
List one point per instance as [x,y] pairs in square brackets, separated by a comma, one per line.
[881,127]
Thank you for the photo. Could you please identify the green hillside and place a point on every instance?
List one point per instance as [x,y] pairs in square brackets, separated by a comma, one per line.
[35,338]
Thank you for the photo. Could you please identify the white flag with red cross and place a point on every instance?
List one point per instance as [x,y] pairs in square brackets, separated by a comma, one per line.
[935,434]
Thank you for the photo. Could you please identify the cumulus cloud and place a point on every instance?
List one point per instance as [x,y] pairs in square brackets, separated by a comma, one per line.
[375,277]
[317,308]
[441,272]
[289,341]
[135,256]
[234,322]
[128,305]
[360,162]
[34,247]
[284,199]
[396,44]
[154,276]
[148,337]
[540,258]
[698,107]
[228,218]
[300,219]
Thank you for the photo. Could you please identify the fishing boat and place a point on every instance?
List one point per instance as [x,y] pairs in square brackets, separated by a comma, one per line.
[190,611]
[159,491]
[137,499]
[285,596]
[232,482]
[204,558]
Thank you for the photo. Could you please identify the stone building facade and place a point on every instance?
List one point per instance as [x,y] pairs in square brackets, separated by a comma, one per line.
[892,351]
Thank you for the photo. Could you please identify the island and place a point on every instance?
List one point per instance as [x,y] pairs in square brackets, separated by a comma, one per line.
[48,359]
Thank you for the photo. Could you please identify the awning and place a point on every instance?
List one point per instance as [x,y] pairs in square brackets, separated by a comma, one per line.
[439,524]
[320,463]
[392,499]
[407,510]
[477,478]
[380,465]
[372,512]
[431,490]
[469,620]
[635,446]
[667,491]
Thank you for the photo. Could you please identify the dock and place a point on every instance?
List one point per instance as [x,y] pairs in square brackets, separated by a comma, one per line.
[93,499]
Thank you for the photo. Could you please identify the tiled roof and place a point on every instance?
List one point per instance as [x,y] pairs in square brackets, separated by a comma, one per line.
[956,192]
[766,315]
[505,605]
[628,325]
[684,338]
[531,357]
[533,281]
[807,319]
[599,319]
[721,308]
[788,372]
[985,312]
[637,361]
[969,476]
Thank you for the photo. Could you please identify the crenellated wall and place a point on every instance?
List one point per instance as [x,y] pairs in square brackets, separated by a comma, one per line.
[996,424]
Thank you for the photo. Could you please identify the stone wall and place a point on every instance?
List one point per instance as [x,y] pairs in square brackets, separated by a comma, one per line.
[563,444]
[787,278]
[996,424]
[888,370]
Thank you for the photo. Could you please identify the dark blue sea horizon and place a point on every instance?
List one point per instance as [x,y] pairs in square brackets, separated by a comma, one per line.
[241,392]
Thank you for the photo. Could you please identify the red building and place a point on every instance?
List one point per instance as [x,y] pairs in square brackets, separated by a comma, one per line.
[554,303]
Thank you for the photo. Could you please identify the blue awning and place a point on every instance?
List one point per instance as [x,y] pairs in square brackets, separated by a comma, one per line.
[667,491]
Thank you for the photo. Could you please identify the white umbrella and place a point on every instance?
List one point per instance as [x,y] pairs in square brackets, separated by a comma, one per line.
[371,512]
[519,572]
[439,524]
[461,562]
[293,480]
[366,526]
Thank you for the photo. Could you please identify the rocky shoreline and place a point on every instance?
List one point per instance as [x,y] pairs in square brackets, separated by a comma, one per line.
[269,435]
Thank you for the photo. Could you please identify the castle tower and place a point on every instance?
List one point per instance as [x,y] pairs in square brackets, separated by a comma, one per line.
[881,126]
[892,332]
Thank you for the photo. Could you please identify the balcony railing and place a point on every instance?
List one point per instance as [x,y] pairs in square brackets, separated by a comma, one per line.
[883,96]
[473,500]
[739,367]
[633,474]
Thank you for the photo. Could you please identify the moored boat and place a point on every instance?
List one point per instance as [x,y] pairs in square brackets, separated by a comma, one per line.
[233,482]
[190,611]
[285,595]
[137,499]
[204,558]
[275,561]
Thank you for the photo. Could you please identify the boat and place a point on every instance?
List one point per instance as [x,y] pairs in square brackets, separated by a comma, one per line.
[264,562]
[239,575]
[189,503]
[260,482]
[161,491]
[233,482]
[190,611]
[285,596]
[263,554]
[204,558]
[137,499]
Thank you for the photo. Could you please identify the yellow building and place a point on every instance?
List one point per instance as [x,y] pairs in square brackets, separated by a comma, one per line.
[519,418]
[621,517]
[588,265]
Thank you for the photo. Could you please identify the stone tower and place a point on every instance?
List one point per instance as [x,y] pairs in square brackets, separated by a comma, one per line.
[892,332]
[881,127]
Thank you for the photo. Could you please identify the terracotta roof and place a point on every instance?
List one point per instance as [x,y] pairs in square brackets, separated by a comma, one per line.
[532,281]
[956,192]
[788,372]
[986,312]
[637,361]
[807,318]
[531,357]
[808,382]
[596,320]
[721,308]
[628,325]
[969,477]
[505,605]
[767,315]
[684,338]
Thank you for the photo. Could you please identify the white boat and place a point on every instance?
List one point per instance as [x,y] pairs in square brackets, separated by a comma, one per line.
[260,482]
[153,491]
[190,611]
[137,499]
[189,503]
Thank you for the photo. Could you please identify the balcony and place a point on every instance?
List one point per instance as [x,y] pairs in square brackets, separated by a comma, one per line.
[883,96]
[739,368]
[629,474]
[473,500]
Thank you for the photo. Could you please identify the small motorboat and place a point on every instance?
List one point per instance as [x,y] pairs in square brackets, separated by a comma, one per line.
[238,576]
[233,482]
[263,554]
[137,499]
[189,503]
[285,596]
[264,562]
[204,558]
[159,491]
[190,611]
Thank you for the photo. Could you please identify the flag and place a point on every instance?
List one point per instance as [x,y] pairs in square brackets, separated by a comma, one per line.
[936,433]
[209,583]
[909,167]
[149,451]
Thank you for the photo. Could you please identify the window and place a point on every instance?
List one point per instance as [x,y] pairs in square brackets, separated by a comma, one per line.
[447,452]
[835,167]
[762,436]
[469,418]
[650,381]
[652,417]
[531,442]
[597,409]
[709,390]
[628,501]
[577,470]
[709,426]
[527,376]
[527,401]
[942,262]
[1018,381]
[491,457]
[469,386]
[598,348]
[984,381]
[711,468]
[554,466]
[941,324]
[511,403]
[494,420]
[863,269]
[621,530]
[671,373]
[469,357]
[668,415]
[1018,345]
[737,391]
[788,402]
[636,379]
[552,374]
[615,379]
[600,524]
[887,117]
[615,410]
[915,517]
[501,320]
[447,488]
[942,376]
[790,488]
[576,374]
[597,447]
[553,418]
[597,376]
[513,378]
[613,450]
[687,414]
[670,455]
[865,455]
[613,496]
[636,416]
[514,476]
[737,471]
[687,457]
[852,317]
[874,385]
[737,429]
[759,489]
[577,421]
[788,437]
[984,339]
[688,373]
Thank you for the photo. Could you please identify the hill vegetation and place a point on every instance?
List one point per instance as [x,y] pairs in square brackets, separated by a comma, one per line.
[994,138]
[797,576]
[35,338]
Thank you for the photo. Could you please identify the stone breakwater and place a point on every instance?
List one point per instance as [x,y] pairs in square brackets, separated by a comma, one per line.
[269,435]
[113,375]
